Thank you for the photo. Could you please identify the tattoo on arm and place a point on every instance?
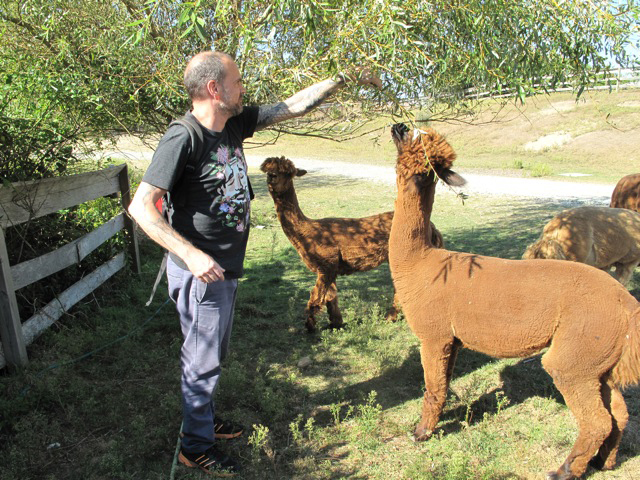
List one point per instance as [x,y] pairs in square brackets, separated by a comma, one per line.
[297,105]
[152,222]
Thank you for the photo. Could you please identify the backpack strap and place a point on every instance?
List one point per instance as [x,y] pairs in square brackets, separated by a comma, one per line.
[197,144]
[196,134]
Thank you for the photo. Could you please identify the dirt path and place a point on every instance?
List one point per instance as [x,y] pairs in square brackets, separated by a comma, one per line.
[596,194]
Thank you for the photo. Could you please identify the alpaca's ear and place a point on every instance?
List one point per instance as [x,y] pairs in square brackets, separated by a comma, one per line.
[265,165]
[300,172]
[450,177]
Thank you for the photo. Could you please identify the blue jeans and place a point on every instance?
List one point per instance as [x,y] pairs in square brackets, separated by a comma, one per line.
[206,318]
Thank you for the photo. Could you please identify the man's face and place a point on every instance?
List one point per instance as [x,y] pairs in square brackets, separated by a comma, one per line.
[231,90]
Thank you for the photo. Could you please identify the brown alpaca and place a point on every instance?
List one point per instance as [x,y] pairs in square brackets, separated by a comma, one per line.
[329,246]
[511,308]
[602,237]
[627,193]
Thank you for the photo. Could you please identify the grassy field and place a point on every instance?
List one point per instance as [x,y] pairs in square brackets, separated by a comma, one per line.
[100,398]
[115,413]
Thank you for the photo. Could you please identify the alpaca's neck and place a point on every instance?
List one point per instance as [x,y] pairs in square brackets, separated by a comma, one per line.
[411,230]
[289,213]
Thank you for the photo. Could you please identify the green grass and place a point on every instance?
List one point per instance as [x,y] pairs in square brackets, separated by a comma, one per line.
[116,414]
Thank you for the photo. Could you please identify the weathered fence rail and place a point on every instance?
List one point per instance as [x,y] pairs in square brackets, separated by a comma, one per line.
[620,79]
[24,201]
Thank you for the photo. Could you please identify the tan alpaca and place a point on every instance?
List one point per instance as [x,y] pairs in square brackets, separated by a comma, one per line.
[602,237]
[511,308]
[328,246]
[627,193]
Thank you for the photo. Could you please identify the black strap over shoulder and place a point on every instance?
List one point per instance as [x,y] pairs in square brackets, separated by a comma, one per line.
[196,134]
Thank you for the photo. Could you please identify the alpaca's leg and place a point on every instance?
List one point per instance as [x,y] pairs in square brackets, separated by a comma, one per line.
[583,397]
[614,402]
[437,363]
[335,317]
[624,272]
[392,313]
[317,299]
[452,359]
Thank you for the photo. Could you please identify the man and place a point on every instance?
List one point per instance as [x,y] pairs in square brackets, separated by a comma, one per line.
[208,228]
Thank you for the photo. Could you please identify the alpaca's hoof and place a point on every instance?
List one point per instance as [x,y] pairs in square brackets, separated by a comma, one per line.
[421,434]
[564,473]
[556,476]
[335,326]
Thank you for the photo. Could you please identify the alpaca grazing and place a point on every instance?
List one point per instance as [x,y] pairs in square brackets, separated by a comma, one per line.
[627,193]
[598,236]
[329,246]
[510,308]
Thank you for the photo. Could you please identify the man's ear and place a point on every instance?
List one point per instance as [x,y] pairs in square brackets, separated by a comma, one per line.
[300,172]
[212,88]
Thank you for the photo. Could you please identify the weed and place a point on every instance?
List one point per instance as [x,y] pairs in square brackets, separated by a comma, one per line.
[541,170]
[335,408]
[259,441]
[294,428]
[309,428]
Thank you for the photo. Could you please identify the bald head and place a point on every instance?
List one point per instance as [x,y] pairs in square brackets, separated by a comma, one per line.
[202,68]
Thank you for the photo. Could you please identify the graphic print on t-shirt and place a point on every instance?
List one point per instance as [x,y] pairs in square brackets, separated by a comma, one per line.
[231,206]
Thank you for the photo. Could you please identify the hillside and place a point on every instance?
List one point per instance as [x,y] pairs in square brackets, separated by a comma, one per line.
[549,136]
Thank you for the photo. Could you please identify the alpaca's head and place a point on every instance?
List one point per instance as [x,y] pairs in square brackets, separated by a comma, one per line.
[421,152]
[280,173]
[544,248]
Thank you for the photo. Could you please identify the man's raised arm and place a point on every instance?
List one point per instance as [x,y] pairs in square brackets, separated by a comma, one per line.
[306,100]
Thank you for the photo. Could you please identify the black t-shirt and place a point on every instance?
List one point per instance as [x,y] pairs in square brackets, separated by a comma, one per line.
[210,198]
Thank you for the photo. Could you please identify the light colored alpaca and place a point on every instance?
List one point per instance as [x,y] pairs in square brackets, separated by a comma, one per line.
[511,308]
[328,246]
[602,237]
[627,193]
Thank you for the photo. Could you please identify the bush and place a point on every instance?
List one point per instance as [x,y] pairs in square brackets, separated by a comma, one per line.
[29,150]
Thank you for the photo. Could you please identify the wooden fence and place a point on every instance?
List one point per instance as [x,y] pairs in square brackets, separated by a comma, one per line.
[616,80]
[24,201]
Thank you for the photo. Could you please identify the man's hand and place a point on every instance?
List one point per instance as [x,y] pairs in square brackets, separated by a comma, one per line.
[362,77]
[367,77]
[203,267]
[144,211]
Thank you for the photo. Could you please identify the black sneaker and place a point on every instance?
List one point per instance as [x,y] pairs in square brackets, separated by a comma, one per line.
[211,461]
[224,429]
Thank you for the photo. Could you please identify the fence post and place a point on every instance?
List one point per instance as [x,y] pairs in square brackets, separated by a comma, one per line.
[129,225]
[15,351]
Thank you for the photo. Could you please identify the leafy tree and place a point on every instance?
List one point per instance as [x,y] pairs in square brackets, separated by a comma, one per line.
[89,69]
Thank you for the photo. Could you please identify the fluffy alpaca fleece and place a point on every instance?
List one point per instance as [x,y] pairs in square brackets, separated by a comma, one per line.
[329,246]
[511,308]
[627,193]
[598,236]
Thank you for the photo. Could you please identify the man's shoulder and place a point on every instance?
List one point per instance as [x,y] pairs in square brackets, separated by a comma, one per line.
[244,123]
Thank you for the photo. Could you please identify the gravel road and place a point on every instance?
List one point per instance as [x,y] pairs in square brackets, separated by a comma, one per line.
[596,194]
